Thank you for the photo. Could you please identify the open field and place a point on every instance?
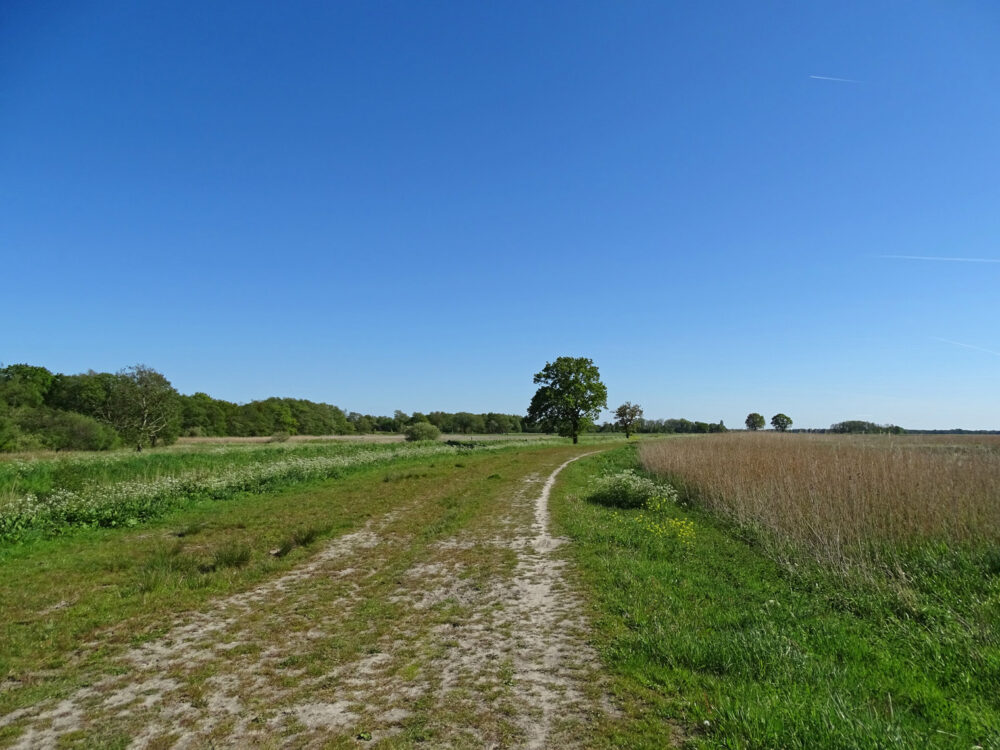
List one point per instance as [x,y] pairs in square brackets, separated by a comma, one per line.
[845,500]
[704,630]
[52,495]
[504,595]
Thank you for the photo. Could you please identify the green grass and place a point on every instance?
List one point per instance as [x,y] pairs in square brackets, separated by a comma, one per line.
[718,645]
[50,496]
[121,586]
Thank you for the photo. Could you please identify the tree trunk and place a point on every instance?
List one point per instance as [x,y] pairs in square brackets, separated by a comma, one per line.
[575,438]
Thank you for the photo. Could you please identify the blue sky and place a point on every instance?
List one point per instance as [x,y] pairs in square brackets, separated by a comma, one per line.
[415,205]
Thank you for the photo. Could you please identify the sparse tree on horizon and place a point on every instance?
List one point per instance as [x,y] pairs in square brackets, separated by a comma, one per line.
[781,422]
[571,397]
[754,421]
[626,416]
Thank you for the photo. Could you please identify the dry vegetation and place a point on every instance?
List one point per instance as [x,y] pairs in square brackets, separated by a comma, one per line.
[843,499]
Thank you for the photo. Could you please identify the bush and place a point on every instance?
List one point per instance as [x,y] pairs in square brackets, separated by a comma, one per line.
[279,437]
[66,431]
[629,489]
[422,431]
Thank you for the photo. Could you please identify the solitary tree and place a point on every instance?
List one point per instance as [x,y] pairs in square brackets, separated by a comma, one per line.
[754,421]
[627,414]
[571,397]
[781,422]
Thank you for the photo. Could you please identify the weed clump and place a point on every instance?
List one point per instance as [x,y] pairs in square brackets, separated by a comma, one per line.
[231,555]
[629,489]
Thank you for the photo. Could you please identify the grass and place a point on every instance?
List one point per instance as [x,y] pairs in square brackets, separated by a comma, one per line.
[73,604]
[710,638]
[846,501]
[713,642]
[52,496]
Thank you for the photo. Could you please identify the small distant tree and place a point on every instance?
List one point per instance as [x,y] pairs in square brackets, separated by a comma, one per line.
[781,422]
[422,431]
[626,416]
[571,397]
[754,421]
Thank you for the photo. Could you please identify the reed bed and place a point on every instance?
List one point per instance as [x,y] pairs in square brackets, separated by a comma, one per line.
[842,499]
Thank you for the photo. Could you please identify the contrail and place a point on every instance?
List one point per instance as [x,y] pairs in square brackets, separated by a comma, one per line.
[834,78]
[937,257]
[967,346]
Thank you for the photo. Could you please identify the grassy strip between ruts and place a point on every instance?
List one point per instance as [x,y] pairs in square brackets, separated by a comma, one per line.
[112,588]
[706,634]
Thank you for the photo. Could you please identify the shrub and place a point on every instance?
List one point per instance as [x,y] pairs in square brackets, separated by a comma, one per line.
[279,437]
[422,431]
[66,431]
[629,489]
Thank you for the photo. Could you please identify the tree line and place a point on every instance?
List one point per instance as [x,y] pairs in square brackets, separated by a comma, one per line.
[138,407]
[666,427]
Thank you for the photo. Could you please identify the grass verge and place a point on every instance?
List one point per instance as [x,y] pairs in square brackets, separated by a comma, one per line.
[711,643]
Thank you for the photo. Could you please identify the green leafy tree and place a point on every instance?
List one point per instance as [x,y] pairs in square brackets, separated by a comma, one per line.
[754,421]
[781,422]
[143,407]
[24,385]
[571,397]
[626,416]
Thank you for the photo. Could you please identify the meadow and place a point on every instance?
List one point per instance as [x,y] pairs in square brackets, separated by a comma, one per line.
[741,591]
[795,591]
[51,494]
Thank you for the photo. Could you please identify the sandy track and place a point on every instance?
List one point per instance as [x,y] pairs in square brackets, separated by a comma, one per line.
[472,640]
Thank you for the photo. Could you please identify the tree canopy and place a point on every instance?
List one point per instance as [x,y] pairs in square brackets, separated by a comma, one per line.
[781,422]
[626,416]
[143,407]
[754,421]
[571,397]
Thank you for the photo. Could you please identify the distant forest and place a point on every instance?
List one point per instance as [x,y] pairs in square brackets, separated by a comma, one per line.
[139,407]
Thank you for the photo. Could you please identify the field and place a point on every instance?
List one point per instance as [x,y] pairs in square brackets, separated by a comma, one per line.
[682,592]
[47,496]
[846,501]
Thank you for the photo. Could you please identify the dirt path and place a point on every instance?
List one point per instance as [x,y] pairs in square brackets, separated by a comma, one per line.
[431,624]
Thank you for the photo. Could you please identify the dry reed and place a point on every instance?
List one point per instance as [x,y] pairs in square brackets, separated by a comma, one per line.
[843,499]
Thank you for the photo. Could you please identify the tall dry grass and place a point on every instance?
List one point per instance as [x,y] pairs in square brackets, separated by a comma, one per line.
[844,499]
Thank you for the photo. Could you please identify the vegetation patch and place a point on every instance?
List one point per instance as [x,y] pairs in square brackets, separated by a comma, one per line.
[715,636]
[867,502]
[629,489]
[49,497]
